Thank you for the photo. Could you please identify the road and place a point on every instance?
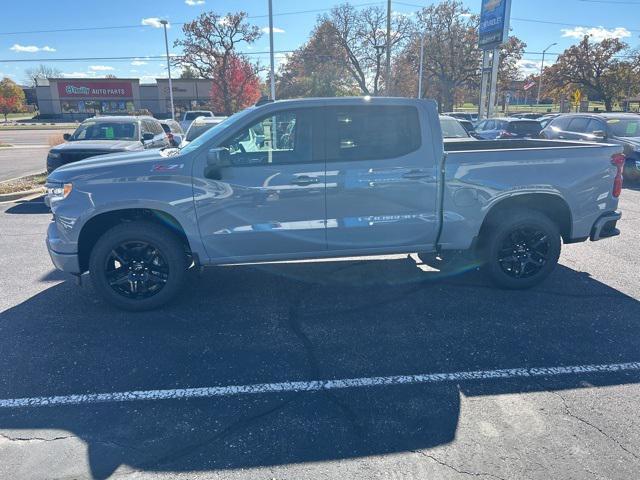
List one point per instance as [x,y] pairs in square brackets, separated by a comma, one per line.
[29,154]
[371,321]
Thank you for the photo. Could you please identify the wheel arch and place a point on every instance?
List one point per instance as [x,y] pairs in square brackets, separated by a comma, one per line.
[549,204]
[97,225]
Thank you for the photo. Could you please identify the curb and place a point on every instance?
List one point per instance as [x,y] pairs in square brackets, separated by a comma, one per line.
[24,195]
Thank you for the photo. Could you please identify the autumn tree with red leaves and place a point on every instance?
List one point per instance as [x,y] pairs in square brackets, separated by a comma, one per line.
[243,87]
[210,50]
[11,97]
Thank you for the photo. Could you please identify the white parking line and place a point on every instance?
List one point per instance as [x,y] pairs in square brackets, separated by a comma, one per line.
[314,385]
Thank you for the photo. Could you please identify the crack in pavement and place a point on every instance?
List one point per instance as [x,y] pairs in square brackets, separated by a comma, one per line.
[456,469]
[595,427]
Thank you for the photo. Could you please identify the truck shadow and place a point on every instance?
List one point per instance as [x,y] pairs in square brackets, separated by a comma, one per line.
[291,322]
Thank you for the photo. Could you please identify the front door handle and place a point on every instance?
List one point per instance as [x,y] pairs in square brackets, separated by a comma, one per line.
[304,180]
[416,174]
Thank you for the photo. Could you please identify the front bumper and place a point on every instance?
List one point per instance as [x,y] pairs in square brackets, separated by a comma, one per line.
[605,226]
[67,262]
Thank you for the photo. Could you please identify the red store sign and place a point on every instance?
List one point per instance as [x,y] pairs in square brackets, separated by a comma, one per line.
[80,89]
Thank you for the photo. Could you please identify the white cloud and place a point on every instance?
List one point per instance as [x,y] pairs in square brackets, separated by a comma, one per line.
[76,75]
[275,30]
[597,33]
[100,68]
[31,48]
[529,67]
[192,3]
[153,22]
[138,62]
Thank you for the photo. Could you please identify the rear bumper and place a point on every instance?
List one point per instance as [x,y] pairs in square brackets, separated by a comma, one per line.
[605,226]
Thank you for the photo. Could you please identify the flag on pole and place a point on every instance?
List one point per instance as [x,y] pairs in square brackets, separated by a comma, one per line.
[529,85]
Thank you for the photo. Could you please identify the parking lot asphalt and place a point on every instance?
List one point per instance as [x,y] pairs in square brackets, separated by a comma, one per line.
[29,154]
[272,325]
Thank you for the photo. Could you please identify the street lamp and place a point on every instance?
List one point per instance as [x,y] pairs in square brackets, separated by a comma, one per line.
[541,71]
[166,46]
[272,73]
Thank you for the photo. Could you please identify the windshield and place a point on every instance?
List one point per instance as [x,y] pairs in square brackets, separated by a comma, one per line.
[452,129]
[96,130]
[624,127]
[194,115]
[203,138]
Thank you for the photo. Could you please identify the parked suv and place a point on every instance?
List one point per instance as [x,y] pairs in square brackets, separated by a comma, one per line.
[505,128]
[617,128]
[174,131]
[102,135]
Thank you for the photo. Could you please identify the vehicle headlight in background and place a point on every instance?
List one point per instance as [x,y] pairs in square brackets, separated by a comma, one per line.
[58,191]
[54,155]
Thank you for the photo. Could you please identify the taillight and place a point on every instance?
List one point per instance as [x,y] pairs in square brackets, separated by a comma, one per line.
[618,160]
[505,134]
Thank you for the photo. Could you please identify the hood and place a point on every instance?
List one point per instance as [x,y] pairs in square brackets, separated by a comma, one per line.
[92,165]
[106,145]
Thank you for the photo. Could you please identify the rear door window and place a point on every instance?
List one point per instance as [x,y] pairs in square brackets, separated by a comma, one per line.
[578,125]
[525,128]
[596,126]
[371,132]
[560,123]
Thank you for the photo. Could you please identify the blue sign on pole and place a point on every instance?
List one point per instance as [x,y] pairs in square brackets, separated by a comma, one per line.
[494,23]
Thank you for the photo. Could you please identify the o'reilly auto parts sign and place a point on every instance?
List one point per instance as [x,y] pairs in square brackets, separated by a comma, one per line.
[101,89]
[494,23]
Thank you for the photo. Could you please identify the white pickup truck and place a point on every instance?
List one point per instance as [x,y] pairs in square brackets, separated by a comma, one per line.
[191,115]
[317,178]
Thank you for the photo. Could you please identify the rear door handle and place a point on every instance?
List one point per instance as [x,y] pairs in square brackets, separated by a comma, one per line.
[304,180]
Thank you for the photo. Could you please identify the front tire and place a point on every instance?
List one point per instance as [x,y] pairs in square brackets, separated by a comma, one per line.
[138,265]
[520,249]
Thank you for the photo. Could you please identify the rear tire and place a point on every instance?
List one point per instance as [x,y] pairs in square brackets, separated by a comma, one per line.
[138,265]
[520,249]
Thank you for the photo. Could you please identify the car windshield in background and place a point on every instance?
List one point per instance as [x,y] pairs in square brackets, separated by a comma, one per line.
[624,127]
[196,130]
[525,128]
[106,131]
[194,115]
[452,129]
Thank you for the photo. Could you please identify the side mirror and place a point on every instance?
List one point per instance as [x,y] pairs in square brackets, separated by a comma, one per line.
[67,137]
[599,135]
[147,137]
[218,157]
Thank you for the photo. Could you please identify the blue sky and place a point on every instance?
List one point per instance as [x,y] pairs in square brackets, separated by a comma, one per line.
[570,19]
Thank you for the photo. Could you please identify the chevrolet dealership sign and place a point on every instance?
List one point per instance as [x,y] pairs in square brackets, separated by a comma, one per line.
[494,23]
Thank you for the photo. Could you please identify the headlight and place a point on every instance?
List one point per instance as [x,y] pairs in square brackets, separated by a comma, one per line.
[54,155]
[57,192]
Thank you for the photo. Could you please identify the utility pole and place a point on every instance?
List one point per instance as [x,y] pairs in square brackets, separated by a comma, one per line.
[542,70]
[272,73]
[387,76]
[422,37]
[166,46]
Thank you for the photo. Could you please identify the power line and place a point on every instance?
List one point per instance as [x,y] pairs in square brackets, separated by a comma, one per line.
[117,59]
[114,27]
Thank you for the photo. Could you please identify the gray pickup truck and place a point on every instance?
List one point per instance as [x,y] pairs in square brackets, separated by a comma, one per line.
[319,178]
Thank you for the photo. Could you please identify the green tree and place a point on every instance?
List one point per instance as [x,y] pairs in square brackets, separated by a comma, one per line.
[601,69]
[11,97]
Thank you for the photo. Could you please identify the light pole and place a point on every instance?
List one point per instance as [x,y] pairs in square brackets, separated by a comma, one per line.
[166,46]
[272,73]
[541,71]
[387,76]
